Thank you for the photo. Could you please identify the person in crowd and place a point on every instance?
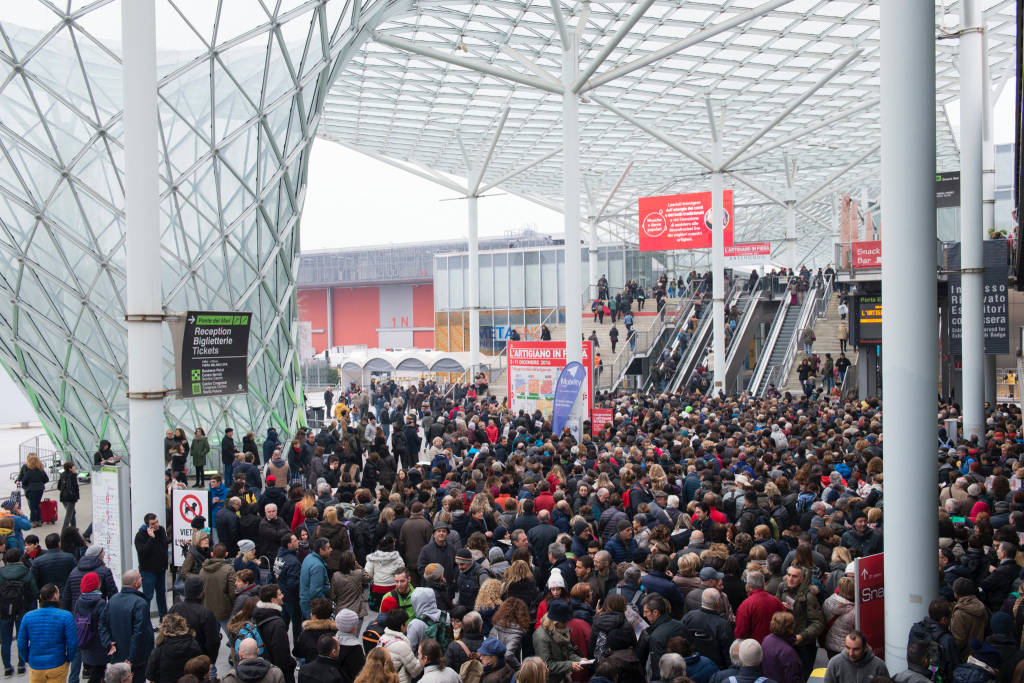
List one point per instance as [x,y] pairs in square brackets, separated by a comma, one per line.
[125,624]
[795,593]
[18,594]
[251,667]
[856,662]
[200,620]
[151,546]
[273,630]
[32,479]
[67,486]
[48,638]
[174,647]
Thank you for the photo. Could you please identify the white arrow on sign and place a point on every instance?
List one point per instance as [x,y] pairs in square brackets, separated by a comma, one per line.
[191,318]
[863,573]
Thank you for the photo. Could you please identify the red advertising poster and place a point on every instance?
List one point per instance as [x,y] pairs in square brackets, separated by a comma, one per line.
[869,589]
[867,254]
[602,416]
[680,221]
[748,254]
[533,368]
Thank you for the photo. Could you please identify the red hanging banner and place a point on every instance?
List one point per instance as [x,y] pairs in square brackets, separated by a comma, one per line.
[681,221]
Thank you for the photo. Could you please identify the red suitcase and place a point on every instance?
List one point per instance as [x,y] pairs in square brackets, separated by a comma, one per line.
[48,509]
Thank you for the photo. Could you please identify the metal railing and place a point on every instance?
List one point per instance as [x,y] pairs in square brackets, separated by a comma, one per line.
[689,362]
[643,341]
[741,327]
[53,459]
[672,338]
[808,312]
[763,365]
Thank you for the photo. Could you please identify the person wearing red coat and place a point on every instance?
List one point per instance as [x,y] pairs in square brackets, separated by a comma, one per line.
[754,616]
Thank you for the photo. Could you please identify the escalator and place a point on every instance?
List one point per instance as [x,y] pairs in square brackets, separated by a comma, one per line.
[781,342]
[670,336]
[696,350]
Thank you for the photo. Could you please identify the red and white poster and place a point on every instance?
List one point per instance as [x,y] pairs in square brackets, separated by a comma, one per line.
[869,598]
[680,221]
[533,368]
[748,254]
[867,254]
[602,416]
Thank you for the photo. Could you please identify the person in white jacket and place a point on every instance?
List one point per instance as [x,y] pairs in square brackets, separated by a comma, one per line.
[394,641]
[381,566]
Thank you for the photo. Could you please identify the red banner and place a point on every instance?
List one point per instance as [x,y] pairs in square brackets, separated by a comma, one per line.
[602,416]
[680,221]
[867,254]
[748,254]
[869,598]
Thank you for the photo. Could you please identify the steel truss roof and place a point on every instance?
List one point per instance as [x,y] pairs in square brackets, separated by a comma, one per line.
[754,61]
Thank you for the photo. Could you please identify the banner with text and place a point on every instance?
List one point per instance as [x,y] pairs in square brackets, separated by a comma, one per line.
[748,254]
[867,254]
[566,412]
[869,597]
[602,416]
[533,369]
[681,221]
[995,298]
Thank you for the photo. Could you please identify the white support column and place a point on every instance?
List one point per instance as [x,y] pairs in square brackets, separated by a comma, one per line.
[717,267]
[791,257]
[909,318]
[143,298]
[571,197]
[971,230]
[473,295]
[592,263]
[988,189]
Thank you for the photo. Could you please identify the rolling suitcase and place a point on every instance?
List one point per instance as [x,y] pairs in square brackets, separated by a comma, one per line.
[48,509]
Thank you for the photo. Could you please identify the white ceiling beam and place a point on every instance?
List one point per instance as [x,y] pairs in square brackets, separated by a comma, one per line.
[528,63]
[811,196]
[772,196]
[408,167]
[520,170]
[793,105]
[465,63]
[481,167]
[626,27]
[563,34]
[689,41]
[803,132]
[615,189]
[653,132]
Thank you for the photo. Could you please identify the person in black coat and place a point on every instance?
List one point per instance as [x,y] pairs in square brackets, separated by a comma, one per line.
[227,453]
[125,623]
[999,582]
[313,629]
[151,544]
[229,524]
[271,529]
[174,646]
[55,566]
[273,630]
[69,494]
[200,620]
[91,562]
[412,443]
[324,667]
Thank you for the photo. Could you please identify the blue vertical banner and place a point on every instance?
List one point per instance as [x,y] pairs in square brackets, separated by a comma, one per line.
[567,390]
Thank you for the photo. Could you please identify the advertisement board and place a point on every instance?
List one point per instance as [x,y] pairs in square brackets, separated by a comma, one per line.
[602,416]
[867,254]
[186,505]
[533,370]
[995,298]
[108,490]
[869,600]
[748,254]
[681,221]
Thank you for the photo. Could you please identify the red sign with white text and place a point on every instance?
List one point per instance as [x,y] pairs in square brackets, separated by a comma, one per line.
[869,588]
[867,254]
[602,416]
[681,221]
[748,254]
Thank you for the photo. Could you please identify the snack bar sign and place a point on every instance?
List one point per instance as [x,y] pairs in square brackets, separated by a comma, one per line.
[215,354]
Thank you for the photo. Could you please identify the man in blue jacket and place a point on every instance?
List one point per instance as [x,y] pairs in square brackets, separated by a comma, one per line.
[91,562]
[658,581]
[55,566]
[622,545]
[314,581]
[287,571]
[125,623]
[48,639]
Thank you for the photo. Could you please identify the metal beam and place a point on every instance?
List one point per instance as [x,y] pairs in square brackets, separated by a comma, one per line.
[794,104]
[440,180]
[481,168]
[528,63]
[811,196]
[520,170]
[626,27]
[471,64]
[615,189]
[772,196]
[689,41]
[653,132]
[560,23]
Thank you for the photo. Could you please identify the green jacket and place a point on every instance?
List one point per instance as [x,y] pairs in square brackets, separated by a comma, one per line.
[19,572]
[558,656]
[810,621]
[200,449]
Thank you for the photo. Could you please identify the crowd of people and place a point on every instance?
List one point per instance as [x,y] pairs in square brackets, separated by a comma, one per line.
[436,535]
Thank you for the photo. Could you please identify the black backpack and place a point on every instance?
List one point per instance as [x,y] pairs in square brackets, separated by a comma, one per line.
[920,633]
[12,599]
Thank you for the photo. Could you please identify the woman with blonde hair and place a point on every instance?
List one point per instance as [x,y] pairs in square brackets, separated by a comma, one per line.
[839,616]
[307,501]
[533,670]
[488,600]
[33,479]
[378,668]
[687,579]
[519,582]
[336,532]
[552,643]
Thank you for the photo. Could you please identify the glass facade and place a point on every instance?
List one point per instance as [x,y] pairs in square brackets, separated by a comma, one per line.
[520,289]
[236,121]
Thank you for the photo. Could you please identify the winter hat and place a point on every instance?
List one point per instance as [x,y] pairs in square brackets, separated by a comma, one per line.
[559,611]
[750,653]
[492,647]
[90,582]
[579,527]
[93,551]
[711,574]
[193,588]
[245,545]
[1001,623]
[623,525]
[347,620]
[464,555]
[556,580]
[441,524]
[433,572]
[495,555]
[985,653]
[271,479]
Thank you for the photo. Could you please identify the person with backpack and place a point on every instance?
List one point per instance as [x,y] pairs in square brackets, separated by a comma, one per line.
[88,613]
[242,626]
[200,620]
[91,562]
[126,626]
[933,632]
[18,594]
[429,621]
[47,637]
[273,630]
[397,644]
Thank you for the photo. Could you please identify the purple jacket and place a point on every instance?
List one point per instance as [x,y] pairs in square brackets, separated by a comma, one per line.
[780,661]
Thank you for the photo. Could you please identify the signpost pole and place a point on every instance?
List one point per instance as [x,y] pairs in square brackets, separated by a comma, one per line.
[909,321]
[971,231]
[717,266]
[571,198]
[143,301]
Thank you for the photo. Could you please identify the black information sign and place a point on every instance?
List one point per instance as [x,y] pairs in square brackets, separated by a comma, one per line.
[215,354]
[947,189]
[995,313]
[869,319]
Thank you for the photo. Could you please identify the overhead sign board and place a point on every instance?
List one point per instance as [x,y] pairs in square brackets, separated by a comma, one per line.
[748,254]
[867,254]
[869,319]
[995,298]
[681,221]
[214,354]
[947,189]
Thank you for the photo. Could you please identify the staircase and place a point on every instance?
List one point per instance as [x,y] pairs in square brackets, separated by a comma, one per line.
[825,330]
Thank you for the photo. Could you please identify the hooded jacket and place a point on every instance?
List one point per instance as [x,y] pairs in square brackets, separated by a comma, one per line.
[19,572]
[270,444]
[382,566]
[425,604]
[274,633]
[218,587]
[72,587]
[842,669]
[254,670]
[806,610]
[167,663]
[200,620]
[93,605]
[406,663]
[967,621]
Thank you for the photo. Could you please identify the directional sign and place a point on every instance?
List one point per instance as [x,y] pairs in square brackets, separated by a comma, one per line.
[187,504]
[214,354]
[869,601]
